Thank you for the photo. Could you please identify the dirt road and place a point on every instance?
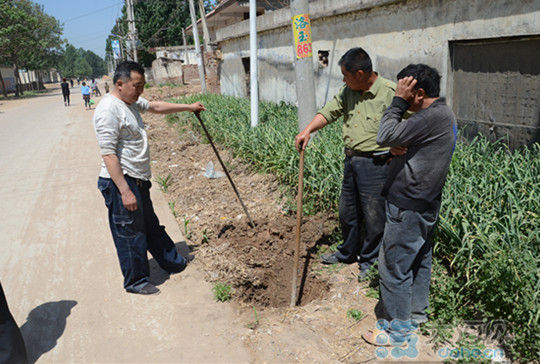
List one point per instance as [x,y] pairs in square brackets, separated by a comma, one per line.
[58,264]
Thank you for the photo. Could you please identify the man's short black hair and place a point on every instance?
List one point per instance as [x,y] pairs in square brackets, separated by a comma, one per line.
[123,70]
[356,59]
[428,78]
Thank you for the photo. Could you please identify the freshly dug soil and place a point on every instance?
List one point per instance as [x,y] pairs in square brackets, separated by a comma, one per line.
[258,261]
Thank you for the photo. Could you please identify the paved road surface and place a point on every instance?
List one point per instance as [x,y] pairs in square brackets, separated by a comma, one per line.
[58,264]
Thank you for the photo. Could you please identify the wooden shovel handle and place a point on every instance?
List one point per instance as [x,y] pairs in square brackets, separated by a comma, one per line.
[299,209]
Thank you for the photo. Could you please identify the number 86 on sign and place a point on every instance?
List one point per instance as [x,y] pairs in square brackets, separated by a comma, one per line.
[302,35]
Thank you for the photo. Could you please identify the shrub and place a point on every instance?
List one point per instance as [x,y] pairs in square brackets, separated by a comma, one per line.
[222,292]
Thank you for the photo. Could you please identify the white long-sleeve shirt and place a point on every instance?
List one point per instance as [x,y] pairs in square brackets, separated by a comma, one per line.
[120,131]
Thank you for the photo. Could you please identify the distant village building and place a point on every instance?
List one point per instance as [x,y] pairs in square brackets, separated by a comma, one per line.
[229,12]
[29,79]
[187,55]
[487,51]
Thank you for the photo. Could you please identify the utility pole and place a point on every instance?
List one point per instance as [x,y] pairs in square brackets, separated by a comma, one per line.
[186,54]
[132,28]
[122,55]
[253,74]
[206,34]
[121,39]
[305,83]
[197,45]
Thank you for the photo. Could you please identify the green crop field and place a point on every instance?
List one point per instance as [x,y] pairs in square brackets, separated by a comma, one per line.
[486,253]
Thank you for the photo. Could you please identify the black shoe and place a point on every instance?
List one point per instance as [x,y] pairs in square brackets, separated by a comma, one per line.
[147,289]
[189,258]
[329,258]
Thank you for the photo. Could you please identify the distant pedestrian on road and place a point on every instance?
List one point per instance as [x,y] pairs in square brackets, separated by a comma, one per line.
[94,87]
[106,88]
[125,174]
[85,91]
[71,81]
[65,92]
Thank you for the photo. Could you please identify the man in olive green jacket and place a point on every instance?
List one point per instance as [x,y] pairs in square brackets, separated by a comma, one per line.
[362,102]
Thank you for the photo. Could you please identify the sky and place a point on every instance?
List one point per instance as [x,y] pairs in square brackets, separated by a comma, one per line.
[87,23]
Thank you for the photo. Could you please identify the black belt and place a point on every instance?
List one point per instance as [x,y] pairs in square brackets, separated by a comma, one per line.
[355,153]
[138,182]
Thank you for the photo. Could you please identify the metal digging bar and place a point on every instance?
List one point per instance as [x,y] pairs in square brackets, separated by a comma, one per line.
[224,169]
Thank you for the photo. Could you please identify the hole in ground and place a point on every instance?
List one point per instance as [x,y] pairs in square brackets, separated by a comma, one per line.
[258,262]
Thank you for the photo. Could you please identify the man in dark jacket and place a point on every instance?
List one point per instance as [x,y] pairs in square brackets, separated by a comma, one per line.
[413,196]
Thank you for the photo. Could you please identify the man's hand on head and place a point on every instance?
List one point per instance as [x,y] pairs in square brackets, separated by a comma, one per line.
[405,88]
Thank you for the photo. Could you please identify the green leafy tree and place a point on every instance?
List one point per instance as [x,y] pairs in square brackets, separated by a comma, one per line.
[44,51]
[28,37]
[97,64]
[67,64]
[72,64]
[16,34]
[159,23]
[82,68]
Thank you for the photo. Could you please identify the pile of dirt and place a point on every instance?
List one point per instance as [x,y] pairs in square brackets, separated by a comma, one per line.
[258,262]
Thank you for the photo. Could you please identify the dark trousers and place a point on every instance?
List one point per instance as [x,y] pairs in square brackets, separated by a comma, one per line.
[361,210]
[12,349]
[135,232]
[405,263]
[66,98]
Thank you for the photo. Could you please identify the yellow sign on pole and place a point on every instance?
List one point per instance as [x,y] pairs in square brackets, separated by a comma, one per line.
[302,35]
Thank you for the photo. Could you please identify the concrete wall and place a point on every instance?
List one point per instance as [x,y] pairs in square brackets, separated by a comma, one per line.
[177,52]
[166,70]
[29,79]
[497,88]
[9,78]
[394,33]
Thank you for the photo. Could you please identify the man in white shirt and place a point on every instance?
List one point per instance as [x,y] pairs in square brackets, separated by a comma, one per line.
[125,175]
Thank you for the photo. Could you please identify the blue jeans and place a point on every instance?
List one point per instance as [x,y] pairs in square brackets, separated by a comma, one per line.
[405,264]
[135,232]
[361,210]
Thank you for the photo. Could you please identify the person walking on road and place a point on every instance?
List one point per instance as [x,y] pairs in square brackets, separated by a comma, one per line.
[413,197]
[361,102]
[94,87]
[65,91]
[71,81]
[85,91]
[125,174]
